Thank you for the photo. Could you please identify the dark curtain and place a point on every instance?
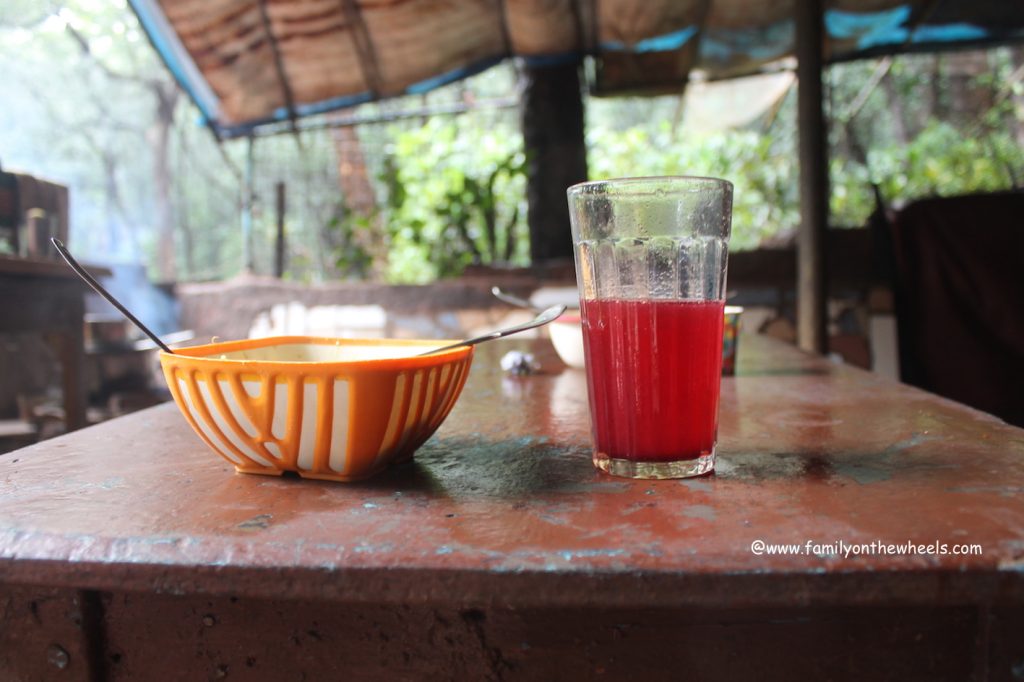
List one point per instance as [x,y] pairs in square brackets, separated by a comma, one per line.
[959,271]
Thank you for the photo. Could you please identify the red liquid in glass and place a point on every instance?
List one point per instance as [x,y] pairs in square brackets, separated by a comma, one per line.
[654,373]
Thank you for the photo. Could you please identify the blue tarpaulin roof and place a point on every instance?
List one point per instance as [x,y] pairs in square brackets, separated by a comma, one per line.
[253,63]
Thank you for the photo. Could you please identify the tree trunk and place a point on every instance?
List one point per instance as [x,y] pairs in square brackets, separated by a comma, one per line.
[556,155]
[166,95]
[188,243]
[183,223]
[118,223]
[352,175]
[932,106]
[360,199]
[1017,59]
[968,98]
[897,114]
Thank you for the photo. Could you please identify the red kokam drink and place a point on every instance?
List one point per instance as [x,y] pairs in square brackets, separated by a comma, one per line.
[654,372]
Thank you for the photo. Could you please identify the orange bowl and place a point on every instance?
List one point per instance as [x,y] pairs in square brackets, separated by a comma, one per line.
[336,409]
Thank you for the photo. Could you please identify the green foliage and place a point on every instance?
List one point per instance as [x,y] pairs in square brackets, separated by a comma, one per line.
[941,160]
[925,132]
[915,147]
[760,165]
[351,258]
[471,207]
[455,196]
[79,108]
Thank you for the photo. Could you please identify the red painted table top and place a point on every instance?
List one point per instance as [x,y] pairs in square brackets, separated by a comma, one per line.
[504,506]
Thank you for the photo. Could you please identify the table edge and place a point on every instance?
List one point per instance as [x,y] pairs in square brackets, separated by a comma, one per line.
[586,587]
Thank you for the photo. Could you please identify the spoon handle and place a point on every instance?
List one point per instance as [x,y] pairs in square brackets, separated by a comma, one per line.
[98,288]
[506,297]
[544,318]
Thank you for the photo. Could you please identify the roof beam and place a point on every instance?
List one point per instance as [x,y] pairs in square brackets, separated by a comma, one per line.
[703,12]
[506,36]
[351,120]
[275,49]
[922,16]
[595,29]
[364,46]
[577,20]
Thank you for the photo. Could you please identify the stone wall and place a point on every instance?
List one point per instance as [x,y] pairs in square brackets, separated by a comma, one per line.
[446,309]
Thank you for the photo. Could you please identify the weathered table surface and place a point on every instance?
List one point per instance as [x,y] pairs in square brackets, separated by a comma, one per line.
[503,509]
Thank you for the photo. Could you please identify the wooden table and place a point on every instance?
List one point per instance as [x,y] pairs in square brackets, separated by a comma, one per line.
[128,551]
[46,296]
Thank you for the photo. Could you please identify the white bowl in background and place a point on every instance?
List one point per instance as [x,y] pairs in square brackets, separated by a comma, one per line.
[567,337]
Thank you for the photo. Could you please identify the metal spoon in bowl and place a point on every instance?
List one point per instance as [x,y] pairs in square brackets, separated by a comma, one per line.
[98,288]
[546,316]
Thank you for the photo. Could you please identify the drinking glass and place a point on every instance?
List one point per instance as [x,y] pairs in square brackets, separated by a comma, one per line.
[650,265]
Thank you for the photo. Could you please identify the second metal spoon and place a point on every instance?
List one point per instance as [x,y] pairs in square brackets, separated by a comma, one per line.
[549,315]
[511,299]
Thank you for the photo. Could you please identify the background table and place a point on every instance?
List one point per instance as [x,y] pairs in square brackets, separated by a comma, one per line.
[128,551]
[46,296]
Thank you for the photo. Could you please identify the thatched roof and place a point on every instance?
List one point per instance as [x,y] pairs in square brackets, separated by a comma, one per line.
[252,62]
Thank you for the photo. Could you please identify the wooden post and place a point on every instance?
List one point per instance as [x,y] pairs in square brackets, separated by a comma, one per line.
[552,121]
[812,295]
[37,233]
[10,211]
[279,246]
[69,344]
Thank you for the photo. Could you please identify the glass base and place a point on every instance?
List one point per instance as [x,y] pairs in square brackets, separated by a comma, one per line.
[683,468]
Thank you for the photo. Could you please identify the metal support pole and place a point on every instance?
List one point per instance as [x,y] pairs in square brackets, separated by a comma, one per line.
[247,197]
[812,295]
[279,246]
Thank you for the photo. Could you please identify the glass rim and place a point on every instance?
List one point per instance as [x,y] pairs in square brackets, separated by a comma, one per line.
[663,182]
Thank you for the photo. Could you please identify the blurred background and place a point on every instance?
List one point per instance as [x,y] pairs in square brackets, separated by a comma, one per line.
[431,189]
